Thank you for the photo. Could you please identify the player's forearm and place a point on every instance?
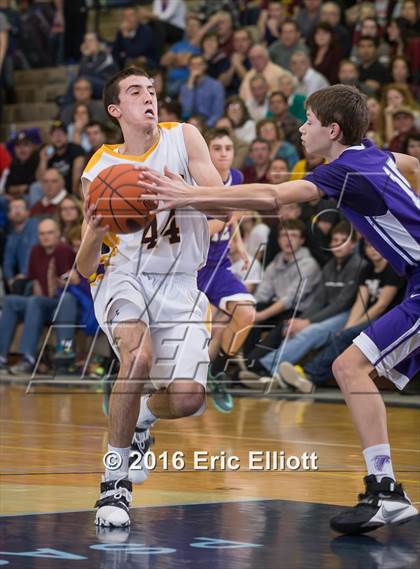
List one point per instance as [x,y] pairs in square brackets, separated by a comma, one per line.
[242,197]
[87,259]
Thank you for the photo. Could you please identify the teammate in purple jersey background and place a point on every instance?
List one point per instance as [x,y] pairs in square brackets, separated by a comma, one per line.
[225,290]
[372,189]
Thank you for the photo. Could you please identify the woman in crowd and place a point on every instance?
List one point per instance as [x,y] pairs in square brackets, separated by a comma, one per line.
[268,130]
[243,125]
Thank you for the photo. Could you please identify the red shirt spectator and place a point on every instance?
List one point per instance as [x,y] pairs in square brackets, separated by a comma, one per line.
[47,267]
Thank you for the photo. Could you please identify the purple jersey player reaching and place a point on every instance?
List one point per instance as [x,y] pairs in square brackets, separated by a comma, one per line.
[372,189]
[224,290]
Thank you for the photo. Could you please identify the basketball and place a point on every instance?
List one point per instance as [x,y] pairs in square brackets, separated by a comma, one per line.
[119,199]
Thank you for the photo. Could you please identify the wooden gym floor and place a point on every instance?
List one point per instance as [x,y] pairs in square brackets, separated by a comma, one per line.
[52,445]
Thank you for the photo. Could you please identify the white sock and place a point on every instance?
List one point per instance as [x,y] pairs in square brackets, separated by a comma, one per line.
[146,417]
[378,461]
[122,471]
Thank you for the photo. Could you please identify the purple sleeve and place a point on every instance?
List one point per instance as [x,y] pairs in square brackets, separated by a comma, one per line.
[329,178]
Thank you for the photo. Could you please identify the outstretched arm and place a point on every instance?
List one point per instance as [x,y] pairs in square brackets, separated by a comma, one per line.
[409,167]
[262,197]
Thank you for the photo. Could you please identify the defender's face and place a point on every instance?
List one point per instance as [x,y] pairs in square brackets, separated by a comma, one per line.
[222,152]
[315,137]
[138,102]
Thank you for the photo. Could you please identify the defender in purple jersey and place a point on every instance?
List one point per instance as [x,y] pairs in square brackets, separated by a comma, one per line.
[371,187]
[224,290]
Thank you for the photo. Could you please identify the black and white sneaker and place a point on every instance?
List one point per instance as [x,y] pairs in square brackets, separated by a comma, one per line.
[142,441]
[383,503]
[114,503]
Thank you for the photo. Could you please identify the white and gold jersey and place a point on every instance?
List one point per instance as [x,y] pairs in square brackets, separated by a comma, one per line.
[178,241]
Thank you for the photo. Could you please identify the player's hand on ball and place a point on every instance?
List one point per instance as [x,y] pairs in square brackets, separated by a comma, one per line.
[93,221]
[170,190]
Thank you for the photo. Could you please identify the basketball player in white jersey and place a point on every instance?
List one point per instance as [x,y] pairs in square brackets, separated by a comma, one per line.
[147,300]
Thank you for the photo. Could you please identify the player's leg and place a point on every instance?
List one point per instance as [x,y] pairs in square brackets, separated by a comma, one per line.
[389,347]
[133,342]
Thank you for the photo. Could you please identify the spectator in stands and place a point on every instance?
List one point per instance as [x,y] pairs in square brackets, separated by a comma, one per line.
[54,192]
[317,239]
[202,94]
[135,41]
[207,9]
[50,264]
[240,146]
[331,14]
[327,312]
[404,126]
[278,172]
[409,20]
[412,146]
[4,39]
[221,22]
[289,42]
[66,157]
[167,18]
[371,71]
[76,130]
[288,85]
[395,39]
[268,130]
[239,61]
[69,216]
[309,80]
[400,74]
[376,128]
[243,125]
[261,64]
[97,64]
[308,16]
[5,162]
[379,290]
[82,92]
[326,53]
[277,293]
[348,74]
[270,21]
[306,165]
[96,135]
[170,111]
[260,156]
[393,97]
[369,28]
[199,122]
[278,110]
[217,61]
[177,57]
[24,165]
[22,237]
[254,234]
[258,102]
[13,20]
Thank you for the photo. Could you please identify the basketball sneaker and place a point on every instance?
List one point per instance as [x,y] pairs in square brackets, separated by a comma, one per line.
[383,503]
[295,376]
[142,441]
[222,400]
[114,503]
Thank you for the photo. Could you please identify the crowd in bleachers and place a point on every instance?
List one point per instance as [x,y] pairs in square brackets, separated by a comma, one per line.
[243,65]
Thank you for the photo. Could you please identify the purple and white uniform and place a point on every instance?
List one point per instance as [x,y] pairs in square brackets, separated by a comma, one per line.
[216,279]
[379,202]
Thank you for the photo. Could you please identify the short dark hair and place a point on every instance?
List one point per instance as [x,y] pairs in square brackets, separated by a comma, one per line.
[111,94]
[344,228]
[19,199]
[260,141]
[289,21]
[344,105]
[292,224]
[215,133]
[373,40]
[172,107]
[101,126]
[277,94]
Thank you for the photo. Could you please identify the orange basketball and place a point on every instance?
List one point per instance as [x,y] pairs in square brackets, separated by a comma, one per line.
[119,199]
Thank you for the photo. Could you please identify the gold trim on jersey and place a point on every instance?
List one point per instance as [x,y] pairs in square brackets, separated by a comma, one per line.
[111,148]
[112,241]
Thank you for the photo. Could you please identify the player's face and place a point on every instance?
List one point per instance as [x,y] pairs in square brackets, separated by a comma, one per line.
[315,137]
[137,102]
[222,153]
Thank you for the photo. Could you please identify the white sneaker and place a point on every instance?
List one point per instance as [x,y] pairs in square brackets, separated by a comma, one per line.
[142,441]
[251,380]
[292,377]
[114,503]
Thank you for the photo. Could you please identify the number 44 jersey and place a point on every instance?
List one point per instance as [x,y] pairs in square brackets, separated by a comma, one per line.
[175,241]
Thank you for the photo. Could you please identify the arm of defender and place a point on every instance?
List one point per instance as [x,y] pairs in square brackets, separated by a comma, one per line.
[410,169]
